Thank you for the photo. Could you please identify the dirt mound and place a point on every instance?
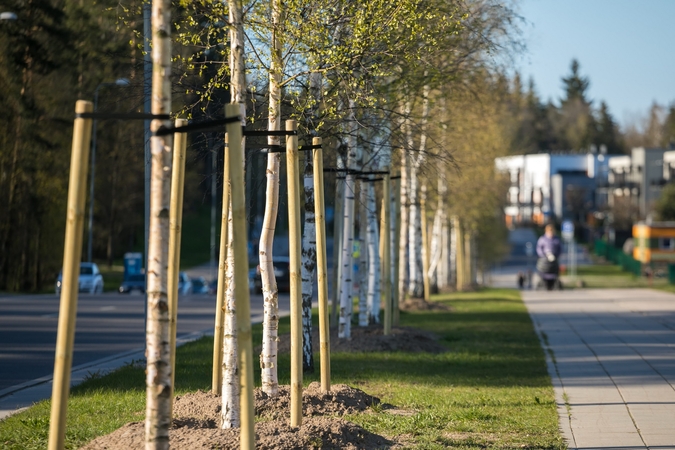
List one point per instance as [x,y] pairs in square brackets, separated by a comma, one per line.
[196,416]
[372,339]
[419,304]
[315,433]
[341,400]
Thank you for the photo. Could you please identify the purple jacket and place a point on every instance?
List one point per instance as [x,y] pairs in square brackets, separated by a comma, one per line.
[547,244]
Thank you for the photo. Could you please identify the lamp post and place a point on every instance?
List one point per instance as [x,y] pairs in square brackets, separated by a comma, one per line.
[122,82]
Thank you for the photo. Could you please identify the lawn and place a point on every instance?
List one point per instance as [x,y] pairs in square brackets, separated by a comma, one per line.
[489,390]
[603,275]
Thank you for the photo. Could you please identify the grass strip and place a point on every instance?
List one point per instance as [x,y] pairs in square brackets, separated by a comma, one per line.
[490,390]
[611,276]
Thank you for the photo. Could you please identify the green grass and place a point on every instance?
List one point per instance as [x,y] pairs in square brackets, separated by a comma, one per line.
[603,275]
[490,390]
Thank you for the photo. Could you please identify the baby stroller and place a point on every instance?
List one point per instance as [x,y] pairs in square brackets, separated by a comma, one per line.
[548,270]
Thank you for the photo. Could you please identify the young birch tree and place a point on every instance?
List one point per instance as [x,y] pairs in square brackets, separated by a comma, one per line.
[158,353]
[230,412]
[268,358]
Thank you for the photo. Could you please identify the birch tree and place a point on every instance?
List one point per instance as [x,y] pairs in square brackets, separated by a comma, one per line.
[230,412]
[158,351]
[268,358]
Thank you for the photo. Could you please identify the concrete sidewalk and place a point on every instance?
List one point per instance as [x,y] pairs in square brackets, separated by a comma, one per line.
[611,356]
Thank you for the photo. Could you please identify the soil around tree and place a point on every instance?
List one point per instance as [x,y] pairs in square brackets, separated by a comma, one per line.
[196,416]
[372,339]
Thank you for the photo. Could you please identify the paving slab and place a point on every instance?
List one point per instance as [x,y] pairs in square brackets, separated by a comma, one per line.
[611,357]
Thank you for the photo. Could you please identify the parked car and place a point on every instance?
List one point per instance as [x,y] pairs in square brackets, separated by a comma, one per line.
[184,284]
[133,283]
[282,273]
[199,285]
[90,280]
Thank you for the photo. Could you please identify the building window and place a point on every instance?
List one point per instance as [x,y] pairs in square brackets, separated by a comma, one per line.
[666,244]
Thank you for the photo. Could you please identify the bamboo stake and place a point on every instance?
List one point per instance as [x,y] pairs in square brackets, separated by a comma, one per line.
[243,306]
[175,224]
[79,163]
[217,371]
[321,265]
[294,240]
[397,232]
[425,243]
[386,260]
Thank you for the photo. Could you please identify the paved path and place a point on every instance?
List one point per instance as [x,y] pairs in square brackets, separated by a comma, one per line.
[611,355]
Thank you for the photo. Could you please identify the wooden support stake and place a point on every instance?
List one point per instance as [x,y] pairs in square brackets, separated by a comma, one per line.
[241,292]
[321,265]
[397,232]
[386,260]
[217,371]
[425,244]
[294,240]
[79,164]
[175,224]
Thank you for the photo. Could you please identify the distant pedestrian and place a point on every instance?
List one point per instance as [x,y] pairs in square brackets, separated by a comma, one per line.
[521,280]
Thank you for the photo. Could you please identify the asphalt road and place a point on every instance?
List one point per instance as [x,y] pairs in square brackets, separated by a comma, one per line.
[107,324]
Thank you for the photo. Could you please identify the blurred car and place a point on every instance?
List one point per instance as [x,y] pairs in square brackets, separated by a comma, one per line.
[133,283]
[199,285]
[282,273]
[90,280]
[184,284]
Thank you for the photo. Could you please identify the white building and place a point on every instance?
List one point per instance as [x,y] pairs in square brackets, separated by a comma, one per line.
[539,182]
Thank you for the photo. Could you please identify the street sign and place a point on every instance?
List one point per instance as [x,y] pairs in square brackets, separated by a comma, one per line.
[567,230]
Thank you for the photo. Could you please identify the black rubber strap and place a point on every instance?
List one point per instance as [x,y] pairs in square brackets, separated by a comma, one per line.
[197,126]
[309,147]
[269,133]
[121,116]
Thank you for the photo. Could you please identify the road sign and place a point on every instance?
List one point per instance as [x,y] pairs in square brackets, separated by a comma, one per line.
[567,230]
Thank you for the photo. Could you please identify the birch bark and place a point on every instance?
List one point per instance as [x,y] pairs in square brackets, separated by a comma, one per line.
[363,255]
[230,412]
[158,352]
[308,265]
[268,358]
[404,203]
[373,240]
[416,283]
[346,280]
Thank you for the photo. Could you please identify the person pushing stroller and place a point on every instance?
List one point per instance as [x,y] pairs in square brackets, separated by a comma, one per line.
[548,251]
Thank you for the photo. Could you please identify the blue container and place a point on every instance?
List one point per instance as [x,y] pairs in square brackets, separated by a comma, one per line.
[133,264]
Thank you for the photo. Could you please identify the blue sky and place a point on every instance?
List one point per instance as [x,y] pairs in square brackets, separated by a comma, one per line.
[625,47]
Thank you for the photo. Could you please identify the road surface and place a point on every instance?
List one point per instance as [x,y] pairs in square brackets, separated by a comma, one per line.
[107,325]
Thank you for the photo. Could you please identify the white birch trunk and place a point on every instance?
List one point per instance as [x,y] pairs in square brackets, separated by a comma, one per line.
[158,351]
[444,269]
[337,242]
[436,267]
[268,358]
[346,282]
[405,203]
[230,412]
[416,283]
[373,240]
[363,256]
[308,265]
